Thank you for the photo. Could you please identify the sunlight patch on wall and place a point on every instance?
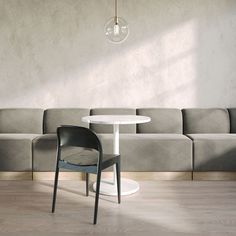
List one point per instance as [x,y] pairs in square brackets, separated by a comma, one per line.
[160,71]
[177,87]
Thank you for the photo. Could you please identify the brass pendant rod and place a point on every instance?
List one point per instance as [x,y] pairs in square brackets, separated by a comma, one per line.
[116,12]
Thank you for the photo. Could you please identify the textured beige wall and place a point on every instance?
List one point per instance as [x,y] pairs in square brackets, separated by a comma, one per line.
[180,53]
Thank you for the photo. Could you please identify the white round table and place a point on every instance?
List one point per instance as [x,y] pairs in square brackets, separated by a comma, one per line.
[108,186]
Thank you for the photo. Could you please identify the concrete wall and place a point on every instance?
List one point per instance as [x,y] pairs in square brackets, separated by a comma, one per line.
[180,53]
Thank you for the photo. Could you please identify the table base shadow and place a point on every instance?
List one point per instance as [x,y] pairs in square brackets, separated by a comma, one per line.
[108,187]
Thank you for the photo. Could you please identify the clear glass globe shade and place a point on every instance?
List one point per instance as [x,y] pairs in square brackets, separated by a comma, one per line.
[116,32]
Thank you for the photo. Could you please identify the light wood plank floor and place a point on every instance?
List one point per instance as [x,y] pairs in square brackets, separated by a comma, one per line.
[160,208]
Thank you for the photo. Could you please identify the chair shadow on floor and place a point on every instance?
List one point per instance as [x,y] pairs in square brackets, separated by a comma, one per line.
[81,193]
[70,190]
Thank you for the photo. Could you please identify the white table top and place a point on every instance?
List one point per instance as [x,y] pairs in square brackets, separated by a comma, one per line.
[116,119]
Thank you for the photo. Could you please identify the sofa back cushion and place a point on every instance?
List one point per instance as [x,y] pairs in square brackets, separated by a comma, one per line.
[113,111]
[21,120]
[63,116]
[208,120]
[163,120]
[232,116]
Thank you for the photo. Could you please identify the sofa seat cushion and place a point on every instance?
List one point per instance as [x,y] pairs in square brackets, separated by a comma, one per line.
[16,152]
[140,152]
[152,152]
[214,152]
[44,153]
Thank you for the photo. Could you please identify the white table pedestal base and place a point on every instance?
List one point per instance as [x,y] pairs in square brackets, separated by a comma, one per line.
[107,187]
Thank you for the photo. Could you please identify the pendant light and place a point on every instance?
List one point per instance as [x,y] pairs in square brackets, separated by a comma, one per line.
[116,28]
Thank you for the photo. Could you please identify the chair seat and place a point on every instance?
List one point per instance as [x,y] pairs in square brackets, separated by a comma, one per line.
[88,160]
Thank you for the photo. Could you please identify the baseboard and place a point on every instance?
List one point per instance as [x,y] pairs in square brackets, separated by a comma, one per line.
[214,175]
[10,175]
[62,176]
[199,176]
[133,175]
[153,175]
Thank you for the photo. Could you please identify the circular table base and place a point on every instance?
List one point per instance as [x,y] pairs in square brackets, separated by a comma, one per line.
[107,187]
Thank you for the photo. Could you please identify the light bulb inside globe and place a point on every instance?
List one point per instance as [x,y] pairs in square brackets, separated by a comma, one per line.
[116,30]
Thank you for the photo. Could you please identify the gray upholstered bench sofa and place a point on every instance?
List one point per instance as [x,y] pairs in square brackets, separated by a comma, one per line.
[156,146]
[188,140]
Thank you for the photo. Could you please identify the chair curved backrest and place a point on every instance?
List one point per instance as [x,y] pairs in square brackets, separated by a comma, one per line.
[78,137]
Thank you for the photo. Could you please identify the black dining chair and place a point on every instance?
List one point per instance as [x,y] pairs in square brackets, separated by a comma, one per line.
[75,136]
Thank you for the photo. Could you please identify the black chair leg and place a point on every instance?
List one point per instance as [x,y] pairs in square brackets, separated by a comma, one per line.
[118,180]
[87,184]
[97,197]
[55,189]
